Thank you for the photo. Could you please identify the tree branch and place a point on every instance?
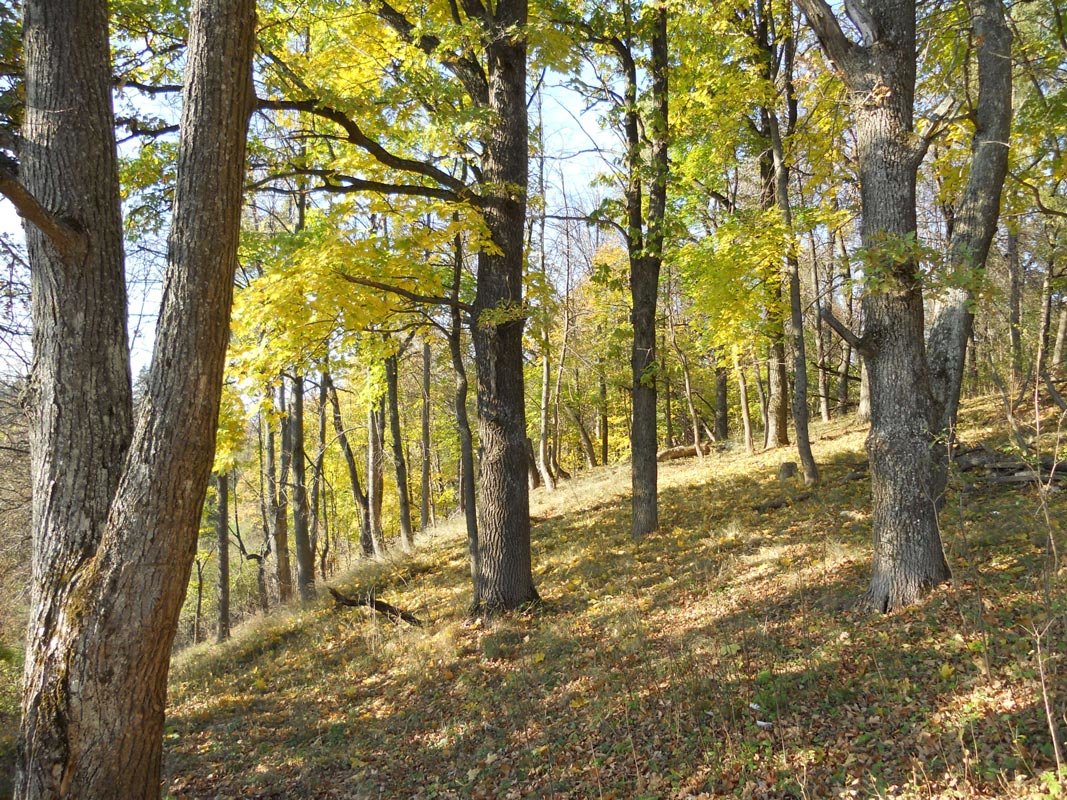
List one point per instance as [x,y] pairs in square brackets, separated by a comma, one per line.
[346,184]
[69,242]
[846,55]
[856,342]
[405,293]
[357,137]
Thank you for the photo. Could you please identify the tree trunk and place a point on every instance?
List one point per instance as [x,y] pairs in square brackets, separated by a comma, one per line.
[222,485]
[908,556]
[317,490]
[602,411]
[198,610]
[820,338]
[374,476]
[796,318]
[1061,336]
[504,522]
[305,559]
[400,465]
[1015,307]
[424,487]
[844,371]
[588,451]
[722,404]
[115,529]
[466,440]
[645,261]
[746,417]
[778,394]
[544,463]
[863,407]
[974,226]
[281,504]
[365,539]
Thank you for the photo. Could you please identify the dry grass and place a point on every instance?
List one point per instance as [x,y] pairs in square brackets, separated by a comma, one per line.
[636,678]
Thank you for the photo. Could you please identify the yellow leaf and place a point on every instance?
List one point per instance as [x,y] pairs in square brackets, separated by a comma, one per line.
[578,702]
[537,658]
[947,671]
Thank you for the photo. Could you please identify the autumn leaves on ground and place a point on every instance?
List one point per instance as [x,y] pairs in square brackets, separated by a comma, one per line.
[720,657]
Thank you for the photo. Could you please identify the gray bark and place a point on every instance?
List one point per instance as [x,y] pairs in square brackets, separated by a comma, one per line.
[908,556]
[976,213]
[115,528]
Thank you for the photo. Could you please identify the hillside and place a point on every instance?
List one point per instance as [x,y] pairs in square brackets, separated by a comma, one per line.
[651,665]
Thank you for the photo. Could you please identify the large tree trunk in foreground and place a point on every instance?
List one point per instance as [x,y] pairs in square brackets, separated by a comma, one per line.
[908,556]
[106,611]
[400,464]
[504,512]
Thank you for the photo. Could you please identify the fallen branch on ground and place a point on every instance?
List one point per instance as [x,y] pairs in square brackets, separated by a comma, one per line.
[370,601]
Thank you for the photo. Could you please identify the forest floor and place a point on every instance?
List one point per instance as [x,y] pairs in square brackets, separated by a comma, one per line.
[651,666]
[721,657]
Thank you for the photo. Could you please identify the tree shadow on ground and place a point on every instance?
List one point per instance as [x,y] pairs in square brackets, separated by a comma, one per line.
[648,671]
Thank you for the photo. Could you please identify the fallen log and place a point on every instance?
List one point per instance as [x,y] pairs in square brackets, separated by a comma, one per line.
[683,451]
[780,502]
[370,601]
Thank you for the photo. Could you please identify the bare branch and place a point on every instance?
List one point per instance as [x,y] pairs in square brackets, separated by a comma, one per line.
[405,293]
[69,242]
[846,54]
[357,137]
[855,342]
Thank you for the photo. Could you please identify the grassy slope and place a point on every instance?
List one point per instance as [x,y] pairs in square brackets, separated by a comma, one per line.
[636,677]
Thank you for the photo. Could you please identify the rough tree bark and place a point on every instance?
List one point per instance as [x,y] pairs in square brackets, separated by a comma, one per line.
[504,513]
[116,517]
[880,75]
[374,475]
[645,247]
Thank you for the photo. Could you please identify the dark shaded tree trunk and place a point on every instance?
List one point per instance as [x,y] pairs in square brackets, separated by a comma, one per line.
[424,486]
[792,268]
[463,427]
[908,556]
[116,518]
[375,445]
[400,465]
[305,559]
[602,411]
[844,370]
[504,512]
[222,537]
[722,404]
[317,489]
[281,501]
[1015,307]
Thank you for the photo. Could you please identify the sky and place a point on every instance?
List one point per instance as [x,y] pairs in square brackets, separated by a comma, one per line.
[576,147]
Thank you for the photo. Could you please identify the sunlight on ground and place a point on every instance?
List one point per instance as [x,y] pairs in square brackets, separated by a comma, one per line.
[720,657]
